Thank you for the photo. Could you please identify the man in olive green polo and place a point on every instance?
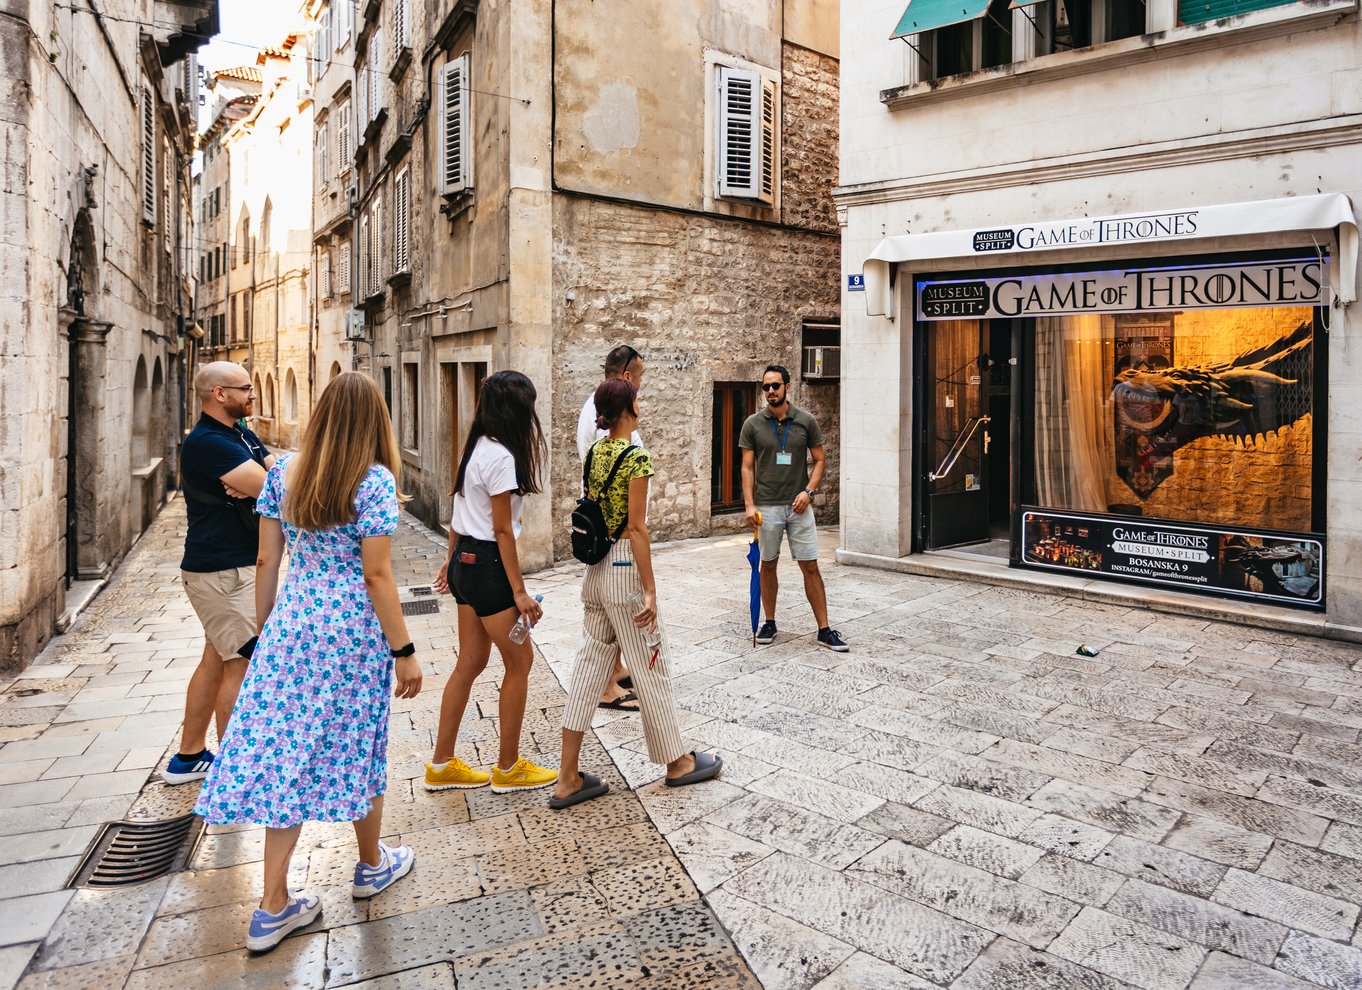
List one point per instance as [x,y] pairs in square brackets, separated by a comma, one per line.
[778,445]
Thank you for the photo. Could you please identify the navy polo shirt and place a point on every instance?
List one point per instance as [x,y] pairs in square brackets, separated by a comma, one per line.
[216,540]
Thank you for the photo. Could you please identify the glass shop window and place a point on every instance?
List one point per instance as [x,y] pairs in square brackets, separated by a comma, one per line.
[1193,414]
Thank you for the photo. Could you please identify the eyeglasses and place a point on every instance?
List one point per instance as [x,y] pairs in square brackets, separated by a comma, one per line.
[240,388]
[771,386]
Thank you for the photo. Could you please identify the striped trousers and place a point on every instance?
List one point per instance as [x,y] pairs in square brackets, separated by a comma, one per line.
[608,624]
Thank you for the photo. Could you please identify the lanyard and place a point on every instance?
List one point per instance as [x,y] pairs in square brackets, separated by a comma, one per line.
[245,443]
[781,437]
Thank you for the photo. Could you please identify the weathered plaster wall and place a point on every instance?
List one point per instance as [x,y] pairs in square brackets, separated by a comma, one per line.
[705,302]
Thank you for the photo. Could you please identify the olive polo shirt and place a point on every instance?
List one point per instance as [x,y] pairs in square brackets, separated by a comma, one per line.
[765,436]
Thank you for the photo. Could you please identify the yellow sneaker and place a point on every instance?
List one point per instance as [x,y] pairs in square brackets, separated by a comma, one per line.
[456,773]
[524,776]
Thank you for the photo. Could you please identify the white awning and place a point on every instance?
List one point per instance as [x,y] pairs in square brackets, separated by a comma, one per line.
[1268,216]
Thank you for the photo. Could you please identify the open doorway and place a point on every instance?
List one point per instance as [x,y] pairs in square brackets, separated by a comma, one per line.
[965,410]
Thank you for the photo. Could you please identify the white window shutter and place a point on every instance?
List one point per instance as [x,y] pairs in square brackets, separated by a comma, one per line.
[324,275]
[376,75]
[402,222]
[458,170]
[148,157]
[344,154]
[365,253]
[361,104]
[323,146]
[324,40]
[343,265]
[740,151]
[376,262]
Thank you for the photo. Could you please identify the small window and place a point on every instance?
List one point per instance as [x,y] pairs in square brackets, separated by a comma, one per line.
[324,274]
[376,252]
[733,403]
[402,221]
[747,135]
[972,45]
[411,405]
[343,270]
[290,397]
[458,166]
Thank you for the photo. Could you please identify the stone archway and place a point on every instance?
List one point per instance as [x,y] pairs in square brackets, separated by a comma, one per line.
[87,361]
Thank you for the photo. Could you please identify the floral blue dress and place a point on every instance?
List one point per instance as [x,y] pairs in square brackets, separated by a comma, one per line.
[308,740]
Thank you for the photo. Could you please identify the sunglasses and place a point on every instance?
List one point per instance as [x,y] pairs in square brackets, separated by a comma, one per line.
[771,386]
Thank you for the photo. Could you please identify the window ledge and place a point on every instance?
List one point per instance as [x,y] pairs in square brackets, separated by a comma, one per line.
[400,64]
[1182,40]
[456,203]
[148,469]
[400,279]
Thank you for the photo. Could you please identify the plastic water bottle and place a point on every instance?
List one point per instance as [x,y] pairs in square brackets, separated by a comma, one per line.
[652,635]
[521,630]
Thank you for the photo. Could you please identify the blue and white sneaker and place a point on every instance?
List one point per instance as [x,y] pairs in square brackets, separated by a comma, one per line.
[268,930]
[184,771]
[394,864]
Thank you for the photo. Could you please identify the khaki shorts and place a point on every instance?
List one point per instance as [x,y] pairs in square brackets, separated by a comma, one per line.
[225,603]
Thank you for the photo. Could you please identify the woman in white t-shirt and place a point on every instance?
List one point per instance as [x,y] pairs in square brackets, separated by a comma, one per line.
[502,458]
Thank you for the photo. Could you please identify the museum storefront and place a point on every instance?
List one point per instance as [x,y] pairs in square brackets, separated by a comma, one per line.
[1153,413]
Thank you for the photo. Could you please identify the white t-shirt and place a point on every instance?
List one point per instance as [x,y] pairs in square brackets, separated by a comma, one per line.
[491,471]
[587,434]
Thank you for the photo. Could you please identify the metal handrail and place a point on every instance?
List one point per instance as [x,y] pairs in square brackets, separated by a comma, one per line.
[957,448]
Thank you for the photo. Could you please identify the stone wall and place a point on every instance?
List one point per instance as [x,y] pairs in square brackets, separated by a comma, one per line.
[705,301]
[808,143]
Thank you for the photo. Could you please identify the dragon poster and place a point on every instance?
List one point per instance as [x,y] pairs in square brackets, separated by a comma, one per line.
[1144,458]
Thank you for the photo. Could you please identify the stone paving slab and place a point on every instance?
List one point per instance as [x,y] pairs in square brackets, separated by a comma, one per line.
[960,801]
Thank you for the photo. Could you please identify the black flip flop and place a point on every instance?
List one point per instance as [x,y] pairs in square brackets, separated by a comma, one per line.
[620,704]
[626,682]
[707,767]
[592,787]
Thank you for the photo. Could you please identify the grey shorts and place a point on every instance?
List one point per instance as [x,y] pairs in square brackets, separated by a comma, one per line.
[799,527]
[225,603]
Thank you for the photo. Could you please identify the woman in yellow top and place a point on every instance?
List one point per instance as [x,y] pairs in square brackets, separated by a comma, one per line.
[611,622]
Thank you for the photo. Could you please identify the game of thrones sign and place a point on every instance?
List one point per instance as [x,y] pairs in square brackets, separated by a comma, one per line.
[1276,567]
[1290,282]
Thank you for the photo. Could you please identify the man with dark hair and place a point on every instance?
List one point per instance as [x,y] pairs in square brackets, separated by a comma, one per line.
[622,362]
[222,469]
[777,445]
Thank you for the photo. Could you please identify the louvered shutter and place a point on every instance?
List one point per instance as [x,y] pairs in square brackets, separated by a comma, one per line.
[458,171]
[323,145]
[361,104]
[377,97]
[401,22]
[343,263]
[324,40]
[344,155]
[376,252]
[402,222]
[324,275]
[768,141]
[148,157]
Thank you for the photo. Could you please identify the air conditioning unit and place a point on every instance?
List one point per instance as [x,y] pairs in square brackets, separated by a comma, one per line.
[822,363]
[354,325]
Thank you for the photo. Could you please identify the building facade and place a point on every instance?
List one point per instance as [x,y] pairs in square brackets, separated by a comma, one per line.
[220,308]
[99,122]
[268,274]
[1102,262]
[531,184]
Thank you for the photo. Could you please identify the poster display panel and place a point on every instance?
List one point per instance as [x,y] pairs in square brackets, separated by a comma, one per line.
[1283,568]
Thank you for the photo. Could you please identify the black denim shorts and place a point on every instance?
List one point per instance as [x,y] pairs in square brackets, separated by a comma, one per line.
[479,582]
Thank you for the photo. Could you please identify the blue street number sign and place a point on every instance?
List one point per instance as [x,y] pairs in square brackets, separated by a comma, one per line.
[855,283]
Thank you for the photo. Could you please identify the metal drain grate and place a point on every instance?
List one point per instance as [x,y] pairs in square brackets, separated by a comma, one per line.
[133,852]
[421,606]
[420,590]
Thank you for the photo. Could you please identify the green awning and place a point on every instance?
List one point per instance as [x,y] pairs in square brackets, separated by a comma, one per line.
[928,15]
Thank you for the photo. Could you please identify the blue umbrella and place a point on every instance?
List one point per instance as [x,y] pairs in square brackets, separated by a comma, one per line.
[754,588]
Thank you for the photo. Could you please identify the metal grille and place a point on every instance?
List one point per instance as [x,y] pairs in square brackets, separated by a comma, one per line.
[134,852]
[423,606]
[419,590]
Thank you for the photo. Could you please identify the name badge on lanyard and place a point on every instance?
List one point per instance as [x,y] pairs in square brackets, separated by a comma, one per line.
[783,457]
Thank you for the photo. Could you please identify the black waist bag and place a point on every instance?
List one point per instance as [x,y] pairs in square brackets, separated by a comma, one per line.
[591,537]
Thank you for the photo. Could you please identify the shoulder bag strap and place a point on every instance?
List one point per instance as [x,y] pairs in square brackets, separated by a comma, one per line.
[610,478]
[586,468]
